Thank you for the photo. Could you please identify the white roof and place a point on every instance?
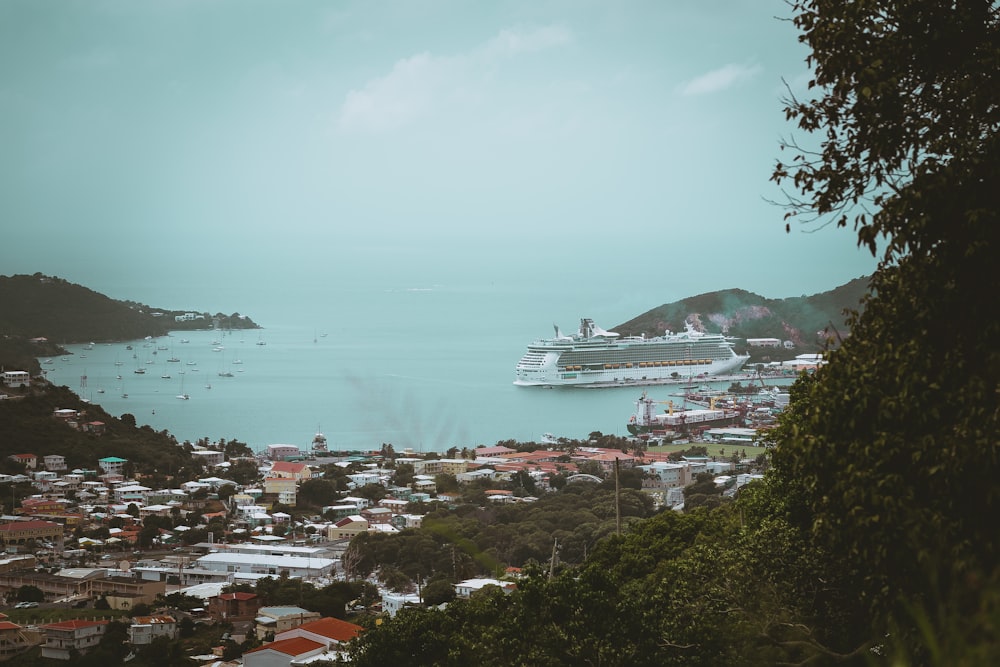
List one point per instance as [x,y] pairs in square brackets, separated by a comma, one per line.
[264,559]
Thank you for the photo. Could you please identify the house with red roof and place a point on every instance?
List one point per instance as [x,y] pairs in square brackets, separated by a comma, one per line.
[28,460]
[14,639]
[289,470]
[282,653]
[66,636]
[328,630]
[231,607]
[20,532]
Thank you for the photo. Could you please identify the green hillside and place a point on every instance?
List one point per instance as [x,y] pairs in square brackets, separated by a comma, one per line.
[807,321]
[64,312]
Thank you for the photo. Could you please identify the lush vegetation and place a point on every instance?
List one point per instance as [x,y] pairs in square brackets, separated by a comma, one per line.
[63,312]
[872,540]
[28,425]
[808,321]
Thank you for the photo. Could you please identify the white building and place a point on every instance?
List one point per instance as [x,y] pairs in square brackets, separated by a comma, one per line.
[16,378]
[296,566]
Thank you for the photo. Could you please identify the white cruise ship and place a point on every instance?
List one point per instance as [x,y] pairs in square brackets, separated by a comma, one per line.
[594,357]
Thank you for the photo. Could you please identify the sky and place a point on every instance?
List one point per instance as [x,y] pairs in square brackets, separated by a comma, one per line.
[189,144]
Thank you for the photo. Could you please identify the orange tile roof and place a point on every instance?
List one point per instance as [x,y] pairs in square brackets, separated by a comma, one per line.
[73,625]
[7,625]
[287,466]
[294,646]
[22,525]
[238,595]
[334,628]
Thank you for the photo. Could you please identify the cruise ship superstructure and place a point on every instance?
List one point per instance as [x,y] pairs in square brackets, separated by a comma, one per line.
[593,357]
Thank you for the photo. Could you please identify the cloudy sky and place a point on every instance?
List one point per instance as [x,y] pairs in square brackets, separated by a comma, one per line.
[439,138]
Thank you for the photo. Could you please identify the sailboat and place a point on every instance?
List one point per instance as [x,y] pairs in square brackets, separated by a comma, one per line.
[182,396]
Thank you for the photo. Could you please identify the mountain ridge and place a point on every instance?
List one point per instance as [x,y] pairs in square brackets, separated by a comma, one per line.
[811,323]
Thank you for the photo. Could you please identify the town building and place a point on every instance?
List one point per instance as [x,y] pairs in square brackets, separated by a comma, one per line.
[279,619]
[290,470]
[282,452]
[282,653]
[112,465]
[295,566]
[18,533]
[144,629]
[29,461]
[16,378]
[54,462]
[231,607]
[15,639]
[66,636]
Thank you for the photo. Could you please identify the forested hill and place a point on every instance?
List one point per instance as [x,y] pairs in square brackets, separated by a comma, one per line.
[743,314]
[64,312]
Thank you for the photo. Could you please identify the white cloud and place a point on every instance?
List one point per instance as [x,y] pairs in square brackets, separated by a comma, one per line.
[513,42]
[394,100]
[421,84]
[720,79]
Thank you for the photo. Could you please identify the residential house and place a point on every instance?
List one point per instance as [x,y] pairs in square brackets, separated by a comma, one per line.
[16,378]
[15,639]
[347,528]
[209,457]
[325,630]
[664,475]
[230,607]
[66,636]
[393,602]
[54,462]
[144,629]
[29,461]
[282,653]
[289,470]
[286,489]
[279,619]
[376,515]
[112,465]
[464,589]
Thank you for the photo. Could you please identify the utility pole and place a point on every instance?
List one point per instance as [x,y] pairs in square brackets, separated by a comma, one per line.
[618,500]
[552,561]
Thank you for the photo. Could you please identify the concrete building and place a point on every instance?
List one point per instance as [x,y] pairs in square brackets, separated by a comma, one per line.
[144,629]
[296,566]
[15,639]
[282,653]
[54,462]
[230,607]
[279,619]
[79,636]
[112,465]
[16,378]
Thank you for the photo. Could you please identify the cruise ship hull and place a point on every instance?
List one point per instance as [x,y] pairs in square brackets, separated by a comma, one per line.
[600,359]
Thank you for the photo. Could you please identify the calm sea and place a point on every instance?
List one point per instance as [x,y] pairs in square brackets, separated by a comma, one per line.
[420,367]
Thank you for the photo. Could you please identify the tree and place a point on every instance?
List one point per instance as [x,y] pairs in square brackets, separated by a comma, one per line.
[29,593]
[403,475]
[437,592]
[883,450]
[317,492]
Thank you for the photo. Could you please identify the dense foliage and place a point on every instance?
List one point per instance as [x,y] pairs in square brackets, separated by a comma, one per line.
[28,425]
[475,541]
[744,314]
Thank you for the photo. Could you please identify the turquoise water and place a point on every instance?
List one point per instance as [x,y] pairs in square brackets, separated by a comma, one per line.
[426,368]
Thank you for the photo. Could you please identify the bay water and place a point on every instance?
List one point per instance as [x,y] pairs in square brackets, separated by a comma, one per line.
[425,368]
